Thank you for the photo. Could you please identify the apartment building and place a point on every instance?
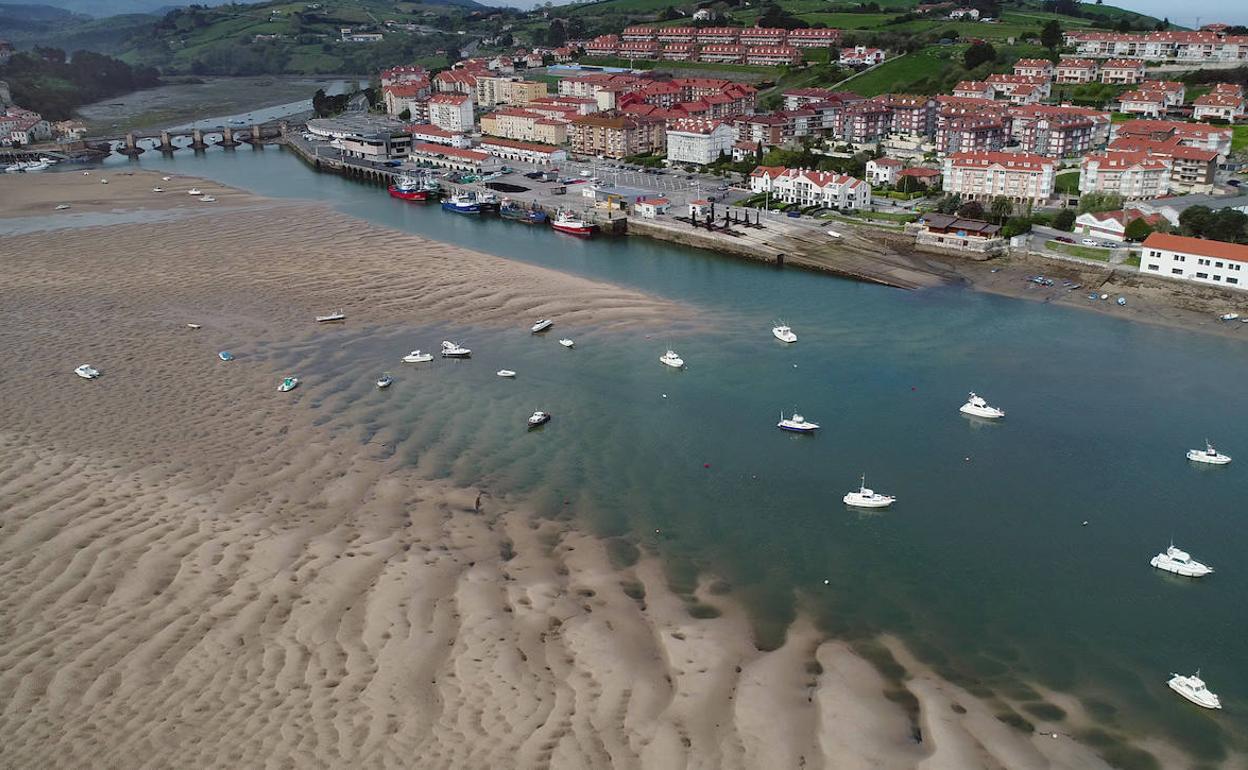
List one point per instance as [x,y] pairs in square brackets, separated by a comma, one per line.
[698,141]
[1170,46]
[718,35]
[970,125]
[1034,68]
[1059,132]
[1020,177]
[1192,169]
[680,51]
[1133,175]
[974,89]
[405,96]
[491,90]
[525,152]
[769,130]
[455,82]
[810,188]
[615,136]
[1219,106]
[1009,85]
[800,97]
[773,55]
[1076,71]
[1197,260]
[867,121]
[452,112]
[676,35]
[638,33]
[524,126]
[1146,104]
[913,116]
[768,36]
[1175,93]
[883,171]
[1198,135]
[813,38]
[427,133]
[1122,71]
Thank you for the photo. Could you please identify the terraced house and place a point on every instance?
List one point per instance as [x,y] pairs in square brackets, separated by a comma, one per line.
[811,188]
[1022,178]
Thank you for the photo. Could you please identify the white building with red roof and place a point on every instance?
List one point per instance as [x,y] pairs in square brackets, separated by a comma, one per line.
[452,112]
[454,158]
[1020,177]
[860,56]
[1122,71]
[811,37]
[698,141]
[811,188]
[524,152]
[1133,175]
[428,133]
[1145,104]
[1036,68]
[1112,225]
[974,89]
[1075,70]
[1219,106]
[883,171]
[1197,260]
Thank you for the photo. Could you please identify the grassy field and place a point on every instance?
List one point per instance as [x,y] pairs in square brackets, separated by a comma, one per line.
[1239,138]
[1067,183]
[898,74]
[1086,252]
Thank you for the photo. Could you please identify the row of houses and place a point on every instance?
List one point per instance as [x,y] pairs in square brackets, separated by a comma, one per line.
[1156,99]
[1198,47]
[748,36]
[721,53]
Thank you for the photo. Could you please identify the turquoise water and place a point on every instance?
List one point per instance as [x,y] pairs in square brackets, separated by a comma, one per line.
[984,565]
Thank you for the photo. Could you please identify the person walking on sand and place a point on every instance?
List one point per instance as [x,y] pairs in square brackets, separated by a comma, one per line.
[477,506]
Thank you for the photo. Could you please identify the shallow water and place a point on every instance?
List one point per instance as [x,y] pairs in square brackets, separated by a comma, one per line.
[984,565]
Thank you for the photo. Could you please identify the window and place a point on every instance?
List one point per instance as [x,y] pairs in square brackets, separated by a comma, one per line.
[1217,264]
[1176,270]
[1217,277]
[1232,280]
[1153,267]
[1202,275]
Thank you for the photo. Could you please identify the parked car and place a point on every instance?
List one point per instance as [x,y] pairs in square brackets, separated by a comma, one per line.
[1064,239]
[1089,242]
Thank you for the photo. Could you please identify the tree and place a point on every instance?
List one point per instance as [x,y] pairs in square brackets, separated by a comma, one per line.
[1100,202]
[1051,35]
[1137,229]
[979,53]
[1124,25]
[948,204]
[406,114]
[1001,208]
[971,210]
[1016,226]
[1064,220]
[1194,220]
[1228,225]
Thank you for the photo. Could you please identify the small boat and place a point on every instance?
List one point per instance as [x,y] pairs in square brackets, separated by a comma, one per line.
[671,359]
[868,498]
[1121,301]
[62,206]
[192,326]
[288,384]
[509,209]
[506,373]
[1193,688]
[570,223]
[87,372]
[225,355]
[163,178]
[541,325]
[453,350]
[208,199]
[194,191]
[411,188]
[1208,455]
[158,189]
[384,381]
[784,333]
[462,203]
[1228,317]
[336,316]
[977,407]
[487,200]
[796,423]
[538,418]
[1179,562]
[103,181]
[567,343]
[416,357]
[1093,296]
[1104,296]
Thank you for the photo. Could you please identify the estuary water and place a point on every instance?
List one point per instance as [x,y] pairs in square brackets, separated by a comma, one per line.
[1016,558]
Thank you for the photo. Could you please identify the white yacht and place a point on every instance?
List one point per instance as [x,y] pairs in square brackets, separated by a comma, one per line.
[671,359]
[1180,562]
[288,384]
[331,317]
[194,191]
[384,381]
[796,423]
[868,498]
[158,189]
[541,325]
[193,326]
[416,357]
[567,343]
[506,373]
[453,350]
[208,199]
[1193,688]
[87,372]
[1207,455]
[975,406]
[62,206]
[784,333]
[538,418]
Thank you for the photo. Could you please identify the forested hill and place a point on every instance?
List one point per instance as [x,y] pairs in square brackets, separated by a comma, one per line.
[54,85]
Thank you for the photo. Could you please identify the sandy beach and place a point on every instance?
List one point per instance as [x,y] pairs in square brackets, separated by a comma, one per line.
[200,572]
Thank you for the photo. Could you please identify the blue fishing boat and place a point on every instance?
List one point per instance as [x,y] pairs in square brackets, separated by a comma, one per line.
[519,213]
[462,203]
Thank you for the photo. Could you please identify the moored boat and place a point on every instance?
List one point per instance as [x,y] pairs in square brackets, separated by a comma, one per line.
[506,373]
[783,333]
[384,381]
[288,384]
[1193,688]
[454,350]
[1179,562]
[462,203]
[337,315]
[542,325]
[225,355]
[567,343]
[412,188]
[796,423]
[538,418]
[417,357]
[1208,455]
[87,372]
[975,406]
[570,223]
[670,358]
[516,212]
[867,498]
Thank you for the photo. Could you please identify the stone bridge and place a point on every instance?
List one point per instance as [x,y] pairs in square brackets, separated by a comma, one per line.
[201,138]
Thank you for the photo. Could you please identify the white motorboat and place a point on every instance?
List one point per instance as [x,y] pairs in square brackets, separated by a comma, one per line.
[1228,317]
[87,372]
[868,498]
[331,317]
[158,189]
[538,418]
[453,350]
[194,191]
[975,406]
[416,357]
[288,384]
[506,373]
[784,333]
[103,181]
[192,326]
[1179,562]
[62,206]
[567,343]
[208,199]
[796,423]
[225,355]
[1193,688]
[163,178]
[384,381]
[671,359]
[541,325]
[1208,455]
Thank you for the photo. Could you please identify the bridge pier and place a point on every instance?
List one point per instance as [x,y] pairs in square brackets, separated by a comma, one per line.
[131,146]
[197,140]
[166,142]
[227,138]
[255,138]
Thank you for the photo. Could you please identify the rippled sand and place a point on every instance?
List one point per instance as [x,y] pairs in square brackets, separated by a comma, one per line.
[201,572]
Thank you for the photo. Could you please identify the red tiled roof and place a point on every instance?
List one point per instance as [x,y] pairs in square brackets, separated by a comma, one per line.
[1198,246]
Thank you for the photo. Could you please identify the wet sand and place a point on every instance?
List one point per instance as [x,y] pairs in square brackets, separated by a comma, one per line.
[202,572]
